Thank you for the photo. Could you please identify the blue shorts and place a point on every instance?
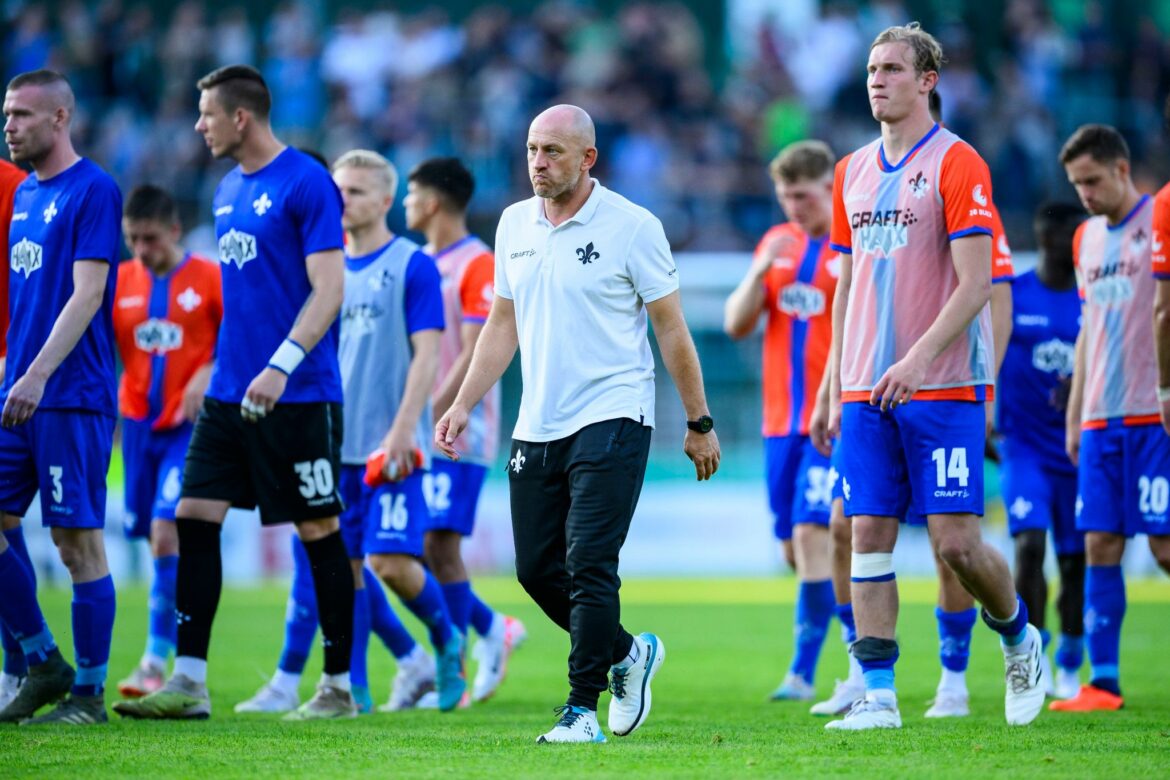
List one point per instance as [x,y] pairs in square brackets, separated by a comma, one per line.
[1039,497]
[453,488]
[1124,480]
[799,483]
[388,519]
[926,456]
[64,454]
[154,473]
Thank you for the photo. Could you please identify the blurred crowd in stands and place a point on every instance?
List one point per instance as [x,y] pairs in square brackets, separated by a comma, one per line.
[687,116]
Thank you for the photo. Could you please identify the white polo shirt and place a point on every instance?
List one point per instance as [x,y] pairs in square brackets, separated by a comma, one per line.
[580,290]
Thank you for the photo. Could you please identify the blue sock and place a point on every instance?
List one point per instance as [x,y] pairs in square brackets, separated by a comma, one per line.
[954,637]
[815,604]
[430,607]
[848,624]
[358,674]
[1045,638]
[1013,630]
[1070,652]
[383,621]
[93,629]
[160,640]
[877,658]
[19,611]
[1104,611]
[458,596]
[300,621]
[15,663]
[482,615]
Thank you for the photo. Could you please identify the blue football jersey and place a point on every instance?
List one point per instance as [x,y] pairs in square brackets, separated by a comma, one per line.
[267,222]
[75,215]
[1037,369]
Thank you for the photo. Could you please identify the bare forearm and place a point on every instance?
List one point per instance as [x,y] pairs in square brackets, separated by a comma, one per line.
[840,306]
[71,323]
[743,307]
[420,378]
[682,362]
[1076,393]
[453,381]
[1162,331]
[964,305]
[316,317]
[1001,320]
[493,352]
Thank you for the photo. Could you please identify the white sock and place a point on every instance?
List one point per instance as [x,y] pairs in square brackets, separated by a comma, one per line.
[415,657]
[855,673]
[336,680]
[286,682]
[954,682]
[883,695]
[633,656]
[194,669]
[153,661]
[5,677]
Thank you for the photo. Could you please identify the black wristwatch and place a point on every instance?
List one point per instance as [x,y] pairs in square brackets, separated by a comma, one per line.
[702,425]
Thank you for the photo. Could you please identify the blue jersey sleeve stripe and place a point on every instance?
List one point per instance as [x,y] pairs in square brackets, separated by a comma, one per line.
[845,250]
[1001,279]
[1162,274]
[969,232]
[475,320]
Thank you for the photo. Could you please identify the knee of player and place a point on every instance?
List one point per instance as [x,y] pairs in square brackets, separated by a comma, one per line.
[841,531]
[1160,546]
[164,539]
[392,569]
[1103,549]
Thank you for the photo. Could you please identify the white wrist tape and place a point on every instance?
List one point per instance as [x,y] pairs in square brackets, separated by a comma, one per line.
[287,357]
[1163,394]
[872,567]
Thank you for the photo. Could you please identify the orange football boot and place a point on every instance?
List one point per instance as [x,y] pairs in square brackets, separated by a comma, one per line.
[1090,699]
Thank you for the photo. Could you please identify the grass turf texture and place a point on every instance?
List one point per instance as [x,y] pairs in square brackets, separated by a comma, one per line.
[728,642]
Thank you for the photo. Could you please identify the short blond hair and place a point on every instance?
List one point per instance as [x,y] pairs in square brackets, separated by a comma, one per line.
[928,53]
[802,161]
[364,158]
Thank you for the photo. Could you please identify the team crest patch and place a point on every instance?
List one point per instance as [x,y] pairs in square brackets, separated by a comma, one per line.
[918,186]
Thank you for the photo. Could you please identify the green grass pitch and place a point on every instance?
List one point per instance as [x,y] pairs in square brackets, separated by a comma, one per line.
[727,644]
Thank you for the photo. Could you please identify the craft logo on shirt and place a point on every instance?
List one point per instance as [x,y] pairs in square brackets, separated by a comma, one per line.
[918,186]
[189,300]
[801,300]
[1054,357]
[524,253]
[1111,285]
[131,301]
[360,319]
[261,204]
[237,247]
[50,212]
[586,255]
[882,232]
[26,257]
[158,336]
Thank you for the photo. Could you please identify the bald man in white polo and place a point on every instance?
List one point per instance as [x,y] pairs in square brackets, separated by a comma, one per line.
[578,269]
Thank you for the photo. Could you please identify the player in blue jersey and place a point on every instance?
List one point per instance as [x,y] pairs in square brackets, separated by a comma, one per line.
[270,430]
[391,320]
[59,406]
[1038,481]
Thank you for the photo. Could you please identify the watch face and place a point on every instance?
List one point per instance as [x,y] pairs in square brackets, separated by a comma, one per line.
[704,424]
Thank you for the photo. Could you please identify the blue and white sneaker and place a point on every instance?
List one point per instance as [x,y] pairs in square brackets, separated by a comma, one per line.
[630,685]
[451,681]
[794,688]
[576,724]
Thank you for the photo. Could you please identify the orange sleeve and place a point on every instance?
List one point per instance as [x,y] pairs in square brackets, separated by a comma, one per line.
[1159,254]
[1076,247]
[840,234]
[965,186]
[476,288]
[1002,269]
[10,179]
